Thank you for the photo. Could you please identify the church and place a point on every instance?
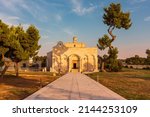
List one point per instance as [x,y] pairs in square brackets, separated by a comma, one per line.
[72,57]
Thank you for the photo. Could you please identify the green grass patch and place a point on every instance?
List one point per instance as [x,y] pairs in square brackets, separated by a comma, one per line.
[130,83]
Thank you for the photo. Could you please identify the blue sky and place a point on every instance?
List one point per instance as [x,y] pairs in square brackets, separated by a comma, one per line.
[60,20]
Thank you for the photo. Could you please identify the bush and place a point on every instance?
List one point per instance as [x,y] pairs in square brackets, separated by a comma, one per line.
[131,67]
[114,66]
[1,63]
[43,64]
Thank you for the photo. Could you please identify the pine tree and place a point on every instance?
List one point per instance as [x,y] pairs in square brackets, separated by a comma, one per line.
[113,17]
[31,44]
[148,57]
[17,44]
[17,52]
[4,34]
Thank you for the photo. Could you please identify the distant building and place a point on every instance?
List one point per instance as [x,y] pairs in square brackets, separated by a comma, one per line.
[72,57]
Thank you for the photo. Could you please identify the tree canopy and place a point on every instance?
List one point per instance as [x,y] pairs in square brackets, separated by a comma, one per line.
[4,31]
[18,44]
[114,17]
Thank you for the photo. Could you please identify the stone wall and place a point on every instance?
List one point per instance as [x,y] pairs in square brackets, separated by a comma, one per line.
[138,66]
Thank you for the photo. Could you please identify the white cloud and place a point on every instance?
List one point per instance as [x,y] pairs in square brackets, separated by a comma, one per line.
[140,0]
[68,32]
[147,18]
[12,5]
[10,20]
[80,10]
[58,17]
[137,1]
[33,8]
[45,37]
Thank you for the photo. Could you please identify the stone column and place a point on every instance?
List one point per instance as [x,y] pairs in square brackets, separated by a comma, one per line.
[53,64]
[80,64]
[60,68]
[69,64]
[96,64]
[87,63]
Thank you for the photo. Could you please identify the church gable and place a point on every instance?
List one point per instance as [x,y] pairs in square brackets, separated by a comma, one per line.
[60,48]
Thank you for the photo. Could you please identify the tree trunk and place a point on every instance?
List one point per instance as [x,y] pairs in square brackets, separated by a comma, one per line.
[110,29]
[4,70]
[17,69]
[6,66]
[102,67]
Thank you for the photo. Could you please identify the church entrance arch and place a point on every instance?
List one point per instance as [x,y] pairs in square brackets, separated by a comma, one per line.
[74,63]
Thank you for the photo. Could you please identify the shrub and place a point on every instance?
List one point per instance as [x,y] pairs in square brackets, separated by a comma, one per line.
[1,63]
[131,67]
[114,66]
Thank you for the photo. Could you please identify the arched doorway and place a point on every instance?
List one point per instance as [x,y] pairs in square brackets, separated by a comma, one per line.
[74,63]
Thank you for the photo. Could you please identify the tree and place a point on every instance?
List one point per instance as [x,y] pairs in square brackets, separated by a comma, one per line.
[113,64]
[148,53]
[31,43]
[4,34]
[114,18]
[17,44]
[103,43]
[136,60]
[42,59]
[147,61]
[17,51]
[25,44]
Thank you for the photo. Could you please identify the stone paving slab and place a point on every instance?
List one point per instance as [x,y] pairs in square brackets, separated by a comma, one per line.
[74,86]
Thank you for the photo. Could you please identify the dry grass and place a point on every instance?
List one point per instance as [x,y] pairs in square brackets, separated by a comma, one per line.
[131,83]
[15,88]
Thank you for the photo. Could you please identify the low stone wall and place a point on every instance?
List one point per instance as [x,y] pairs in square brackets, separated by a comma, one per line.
[138,66]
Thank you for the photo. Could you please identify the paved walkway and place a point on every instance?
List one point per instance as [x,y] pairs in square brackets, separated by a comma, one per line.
[74,86]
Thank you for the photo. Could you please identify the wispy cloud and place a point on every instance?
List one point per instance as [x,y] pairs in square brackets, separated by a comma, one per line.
[58,17]
[19,6]
[68,31]
[147,18]
[10,20]
[137,1]
[12,5]
[79,9]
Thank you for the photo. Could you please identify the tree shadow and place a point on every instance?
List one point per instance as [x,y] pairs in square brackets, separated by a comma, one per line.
[21,82]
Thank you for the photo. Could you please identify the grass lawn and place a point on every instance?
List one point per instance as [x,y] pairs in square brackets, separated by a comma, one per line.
[13,88]
[130,83]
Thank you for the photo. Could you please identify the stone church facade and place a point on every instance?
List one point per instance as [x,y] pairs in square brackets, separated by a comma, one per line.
[72,57]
